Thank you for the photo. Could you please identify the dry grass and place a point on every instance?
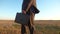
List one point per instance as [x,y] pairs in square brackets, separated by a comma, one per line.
[42,27]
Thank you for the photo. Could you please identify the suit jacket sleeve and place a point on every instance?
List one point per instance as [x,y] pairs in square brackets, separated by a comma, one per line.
[26,4]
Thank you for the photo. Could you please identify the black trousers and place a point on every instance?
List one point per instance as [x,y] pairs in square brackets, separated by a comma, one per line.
[23,30]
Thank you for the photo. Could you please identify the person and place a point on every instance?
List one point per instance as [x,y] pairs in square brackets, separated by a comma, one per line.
[25,9]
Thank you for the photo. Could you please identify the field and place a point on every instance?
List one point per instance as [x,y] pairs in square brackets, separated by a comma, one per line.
[42,27]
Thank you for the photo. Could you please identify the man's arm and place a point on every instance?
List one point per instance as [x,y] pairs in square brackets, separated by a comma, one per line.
[31,2]
[29,5]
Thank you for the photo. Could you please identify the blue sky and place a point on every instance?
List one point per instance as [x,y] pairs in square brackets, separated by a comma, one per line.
[50,9]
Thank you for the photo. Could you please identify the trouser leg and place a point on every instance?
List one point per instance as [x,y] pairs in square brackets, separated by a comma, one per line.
[31,25]
[23,30]
[31,29]
[32,18]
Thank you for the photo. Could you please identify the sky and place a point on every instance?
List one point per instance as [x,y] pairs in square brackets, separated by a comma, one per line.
[49,9]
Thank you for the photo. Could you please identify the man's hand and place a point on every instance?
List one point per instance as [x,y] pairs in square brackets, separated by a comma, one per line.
[23,11]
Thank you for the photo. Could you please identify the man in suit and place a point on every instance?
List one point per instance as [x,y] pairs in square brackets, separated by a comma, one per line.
[25,9]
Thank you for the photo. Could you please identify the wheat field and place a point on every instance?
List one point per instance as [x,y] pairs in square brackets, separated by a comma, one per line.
[42,27]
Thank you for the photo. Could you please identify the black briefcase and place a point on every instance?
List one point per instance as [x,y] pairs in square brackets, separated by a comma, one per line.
[22,18]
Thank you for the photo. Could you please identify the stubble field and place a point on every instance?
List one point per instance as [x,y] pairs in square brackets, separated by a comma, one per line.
[41,26]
